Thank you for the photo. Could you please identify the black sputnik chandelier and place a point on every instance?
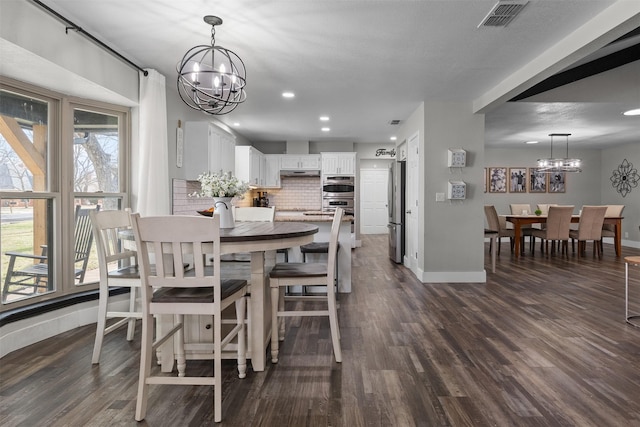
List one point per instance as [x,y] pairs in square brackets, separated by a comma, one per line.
[211,78]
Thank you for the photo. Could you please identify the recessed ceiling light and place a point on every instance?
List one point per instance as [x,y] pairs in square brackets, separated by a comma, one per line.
[324,118]
[531,142]
[635,112]
[393,138]
[288,94]
[325,129]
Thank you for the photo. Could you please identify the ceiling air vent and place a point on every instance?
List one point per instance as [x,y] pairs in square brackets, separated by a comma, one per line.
[394,122]
[503,13]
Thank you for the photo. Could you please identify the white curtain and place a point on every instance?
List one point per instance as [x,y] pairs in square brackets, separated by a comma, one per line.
[153,193]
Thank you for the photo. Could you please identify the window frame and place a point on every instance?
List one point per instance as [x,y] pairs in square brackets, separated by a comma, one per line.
[60,184]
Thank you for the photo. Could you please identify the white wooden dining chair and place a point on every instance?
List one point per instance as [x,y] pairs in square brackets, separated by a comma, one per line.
[251,213]
[306,274]
[164,245]
[118,268]
[257,213]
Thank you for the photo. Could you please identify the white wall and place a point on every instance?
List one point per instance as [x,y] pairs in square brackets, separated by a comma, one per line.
[453,230]
[611,160]
[34,48]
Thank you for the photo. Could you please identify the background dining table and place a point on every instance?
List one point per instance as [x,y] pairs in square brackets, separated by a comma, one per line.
[519,220]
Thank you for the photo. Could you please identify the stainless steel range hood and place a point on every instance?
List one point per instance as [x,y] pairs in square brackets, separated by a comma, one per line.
[300,173]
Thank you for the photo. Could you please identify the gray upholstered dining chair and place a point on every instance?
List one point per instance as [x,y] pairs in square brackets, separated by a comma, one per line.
[557,228]
[499,224]
[589,228]
[609,230]
[520,209]
[544,207]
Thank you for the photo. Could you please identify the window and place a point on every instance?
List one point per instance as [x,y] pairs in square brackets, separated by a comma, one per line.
[52,173]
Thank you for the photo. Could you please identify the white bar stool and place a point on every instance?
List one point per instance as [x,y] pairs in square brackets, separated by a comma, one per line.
[632,319]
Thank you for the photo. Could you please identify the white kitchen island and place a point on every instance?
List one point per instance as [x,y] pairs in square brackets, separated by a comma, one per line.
[324,230]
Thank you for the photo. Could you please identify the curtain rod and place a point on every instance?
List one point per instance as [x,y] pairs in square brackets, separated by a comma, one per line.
[73,26]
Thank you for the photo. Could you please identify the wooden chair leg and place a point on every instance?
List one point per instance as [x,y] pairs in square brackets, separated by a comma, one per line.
[275,298]
[131,327]
[241,307]
[146,354]
[181,361]
[101,324]
[281,324]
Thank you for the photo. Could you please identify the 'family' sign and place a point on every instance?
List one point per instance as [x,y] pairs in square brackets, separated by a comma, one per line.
[385,152]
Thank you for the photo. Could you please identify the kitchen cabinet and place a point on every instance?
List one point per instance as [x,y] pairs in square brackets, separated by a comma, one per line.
[339,164]
[207,148]
[272,170]
[250,165]
[300,162]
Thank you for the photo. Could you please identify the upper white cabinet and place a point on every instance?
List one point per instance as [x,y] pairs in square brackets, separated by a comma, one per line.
[250,165]
[300,162]
[207,148]
[339,164]
[272,170]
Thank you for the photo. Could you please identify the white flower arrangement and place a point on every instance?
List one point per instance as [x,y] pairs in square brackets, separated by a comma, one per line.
[221,185]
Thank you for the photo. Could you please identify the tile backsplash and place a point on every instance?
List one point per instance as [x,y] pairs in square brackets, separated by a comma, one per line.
[297,193]
[182,203]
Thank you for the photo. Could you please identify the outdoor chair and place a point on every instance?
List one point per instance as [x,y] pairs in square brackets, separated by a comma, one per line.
[28,280]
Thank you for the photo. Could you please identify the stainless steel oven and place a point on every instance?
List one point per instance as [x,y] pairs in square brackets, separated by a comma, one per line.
[330,205]
[338,187]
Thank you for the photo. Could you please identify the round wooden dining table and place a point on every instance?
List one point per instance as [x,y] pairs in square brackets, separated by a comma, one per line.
[261,240]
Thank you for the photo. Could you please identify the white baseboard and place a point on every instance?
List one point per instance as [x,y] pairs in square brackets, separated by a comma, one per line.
[454,277]
[22,333]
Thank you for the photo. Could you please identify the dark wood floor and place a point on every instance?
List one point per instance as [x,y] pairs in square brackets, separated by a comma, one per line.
[542,343]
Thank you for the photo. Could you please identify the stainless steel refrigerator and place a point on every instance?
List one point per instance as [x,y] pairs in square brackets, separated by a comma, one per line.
[396,207]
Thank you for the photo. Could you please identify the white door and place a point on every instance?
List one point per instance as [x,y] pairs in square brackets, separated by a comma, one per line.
[412,213]
[374,214]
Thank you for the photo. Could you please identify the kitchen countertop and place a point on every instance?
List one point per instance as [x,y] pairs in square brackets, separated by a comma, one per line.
[307,216]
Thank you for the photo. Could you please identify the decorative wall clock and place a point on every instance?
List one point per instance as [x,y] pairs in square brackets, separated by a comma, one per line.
[625,178]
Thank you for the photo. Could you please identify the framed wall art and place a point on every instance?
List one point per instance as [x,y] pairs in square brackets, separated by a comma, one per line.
[497,180]
[537,181]
[517,180]
[485,180]
[557,182]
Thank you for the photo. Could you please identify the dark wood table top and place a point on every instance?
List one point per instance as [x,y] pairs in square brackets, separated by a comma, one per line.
[251,231]
[254,231]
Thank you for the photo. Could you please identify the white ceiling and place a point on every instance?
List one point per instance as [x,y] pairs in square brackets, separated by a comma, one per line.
[364,63]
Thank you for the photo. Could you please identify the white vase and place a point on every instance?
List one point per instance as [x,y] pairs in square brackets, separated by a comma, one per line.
[223,208]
